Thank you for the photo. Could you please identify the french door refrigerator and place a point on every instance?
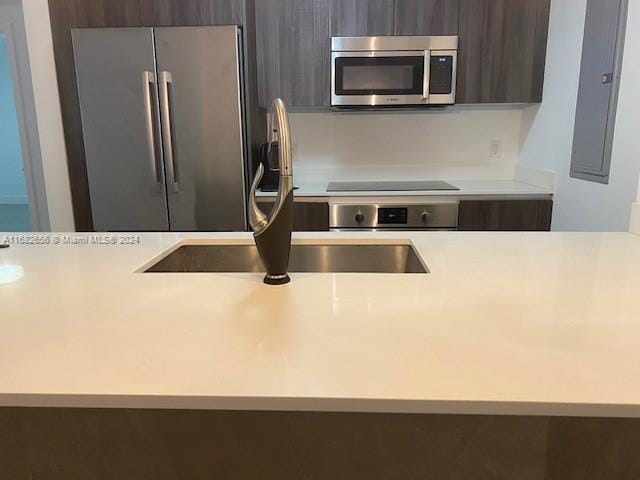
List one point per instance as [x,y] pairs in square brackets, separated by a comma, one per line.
[163,124]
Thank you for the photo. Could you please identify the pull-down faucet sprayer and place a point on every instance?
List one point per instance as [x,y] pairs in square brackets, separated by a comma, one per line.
[272,233]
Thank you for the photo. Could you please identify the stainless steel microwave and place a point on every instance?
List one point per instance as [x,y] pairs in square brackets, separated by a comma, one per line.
[393,71]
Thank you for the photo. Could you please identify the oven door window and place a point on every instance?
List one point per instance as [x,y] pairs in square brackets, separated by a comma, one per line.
[379,75]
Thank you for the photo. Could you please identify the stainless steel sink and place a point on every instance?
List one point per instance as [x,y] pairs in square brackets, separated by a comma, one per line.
[331,258]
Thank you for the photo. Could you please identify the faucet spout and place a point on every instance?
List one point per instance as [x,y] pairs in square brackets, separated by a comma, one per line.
[272,233]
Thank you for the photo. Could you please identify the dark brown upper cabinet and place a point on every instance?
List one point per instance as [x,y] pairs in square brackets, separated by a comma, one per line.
[354,18]
[293,49]
[426,17]
[501,54]
[502,50]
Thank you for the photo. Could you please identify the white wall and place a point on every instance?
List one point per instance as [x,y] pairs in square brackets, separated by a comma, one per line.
[450,144]
[12,184]
[547,130]
[627,139]
[49,118]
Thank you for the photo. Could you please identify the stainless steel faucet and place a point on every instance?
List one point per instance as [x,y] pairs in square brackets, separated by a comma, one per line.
[272,233]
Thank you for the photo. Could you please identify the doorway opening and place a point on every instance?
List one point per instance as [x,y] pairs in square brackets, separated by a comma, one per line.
[14,204]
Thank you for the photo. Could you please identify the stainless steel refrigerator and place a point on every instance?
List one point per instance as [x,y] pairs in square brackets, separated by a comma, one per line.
[163,124]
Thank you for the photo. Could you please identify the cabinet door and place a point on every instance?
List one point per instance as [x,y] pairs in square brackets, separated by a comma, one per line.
[502,50]
[307,216]
[293,50]
[426,17]
[310,217]
[353,18]
[505,215]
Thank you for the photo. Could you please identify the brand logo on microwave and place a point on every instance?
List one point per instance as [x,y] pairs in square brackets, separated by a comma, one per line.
[393,99]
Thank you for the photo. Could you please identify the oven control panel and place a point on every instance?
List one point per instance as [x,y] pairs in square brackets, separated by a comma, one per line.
[393,215]
[432,216]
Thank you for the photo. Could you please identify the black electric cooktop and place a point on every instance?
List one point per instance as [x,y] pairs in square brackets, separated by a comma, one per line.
[272,188]
[415,186]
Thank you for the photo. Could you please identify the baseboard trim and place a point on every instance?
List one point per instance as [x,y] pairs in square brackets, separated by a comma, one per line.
[634,226]
[14,200]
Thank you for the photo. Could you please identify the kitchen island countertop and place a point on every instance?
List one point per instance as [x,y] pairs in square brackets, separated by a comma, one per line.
[505,323]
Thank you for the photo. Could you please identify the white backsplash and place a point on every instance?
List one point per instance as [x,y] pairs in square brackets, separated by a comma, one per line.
[634,225]
[450,144]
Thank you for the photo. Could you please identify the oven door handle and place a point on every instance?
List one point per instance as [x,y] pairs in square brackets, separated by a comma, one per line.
[427,74]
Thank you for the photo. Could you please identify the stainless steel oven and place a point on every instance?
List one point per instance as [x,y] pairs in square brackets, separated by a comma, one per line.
[441,215]
[406,71]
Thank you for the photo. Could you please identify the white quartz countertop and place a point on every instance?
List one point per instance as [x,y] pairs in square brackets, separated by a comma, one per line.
[466,188]
[505,323]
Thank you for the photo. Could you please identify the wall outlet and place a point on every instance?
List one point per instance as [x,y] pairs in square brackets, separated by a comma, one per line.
[495,149]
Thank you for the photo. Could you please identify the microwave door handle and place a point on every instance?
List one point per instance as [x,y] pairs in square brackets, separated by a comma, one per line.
[427,74]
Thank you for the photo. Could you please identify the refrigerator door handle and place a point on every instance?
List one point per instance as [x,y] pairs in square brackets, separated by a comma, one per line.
[148,83]
[166,80]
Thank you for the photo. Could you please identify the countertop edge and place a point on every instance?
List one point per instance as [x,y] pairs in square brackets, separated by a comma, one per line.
[308,404]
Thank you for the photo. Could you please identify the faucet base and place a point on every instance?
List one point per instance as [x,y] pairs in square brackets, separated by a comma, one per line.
[276,279]
[274,243]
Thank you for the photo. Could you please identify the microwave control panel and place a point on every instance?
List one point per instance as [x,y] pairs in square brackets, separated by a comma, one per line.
[441,78]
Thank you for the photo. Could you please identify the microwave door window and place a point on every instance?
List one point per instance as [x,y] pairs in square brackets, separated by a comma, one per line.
[377,78]
[379,75]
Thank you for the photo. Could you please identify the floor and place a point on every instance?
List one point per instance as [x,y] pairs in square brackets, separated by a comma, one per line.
[14,218]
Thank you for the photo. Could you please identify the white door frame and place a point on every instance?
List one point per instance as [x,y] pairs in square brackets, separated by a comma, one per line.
[12,25]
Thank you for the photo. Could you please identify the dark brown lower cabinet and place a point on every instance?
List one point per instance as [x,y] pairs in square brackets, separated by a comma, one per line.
[307,216]
[593,448]
[505,215]
[127,444]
